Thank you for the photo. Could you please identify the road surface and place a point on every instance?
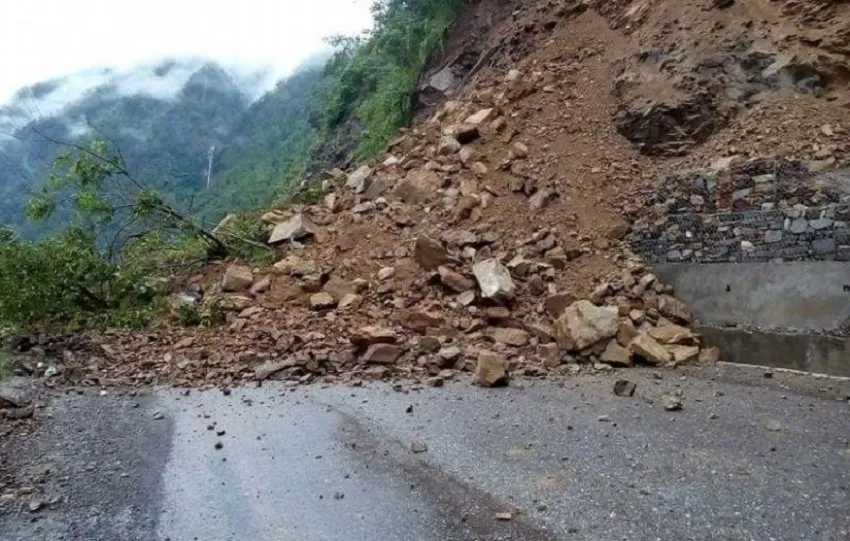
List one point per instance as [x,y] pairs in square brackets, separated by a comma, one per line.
[747,458]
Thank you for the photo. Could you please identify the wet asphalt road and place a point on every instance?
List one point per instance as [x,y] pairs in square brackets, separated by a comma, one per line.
[748,458]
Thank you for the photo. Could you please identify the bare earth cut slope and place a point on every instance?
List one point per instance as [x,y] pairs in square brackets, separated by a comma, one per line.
[492,236]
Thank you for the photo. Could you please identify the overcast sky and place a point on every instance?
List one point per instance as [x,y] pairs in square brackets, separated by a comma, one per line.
[42,39]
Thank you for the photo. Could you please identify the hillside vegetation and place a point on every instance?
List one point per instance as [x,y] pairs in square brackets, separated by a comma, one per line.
[105,200]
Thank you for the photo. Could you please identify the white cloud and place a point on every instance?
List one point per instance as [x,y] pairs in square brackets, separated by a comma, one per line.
[43,39]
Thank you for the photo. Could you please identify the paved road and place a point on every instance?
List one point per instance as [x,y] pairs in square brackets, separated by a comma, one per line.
[748,458]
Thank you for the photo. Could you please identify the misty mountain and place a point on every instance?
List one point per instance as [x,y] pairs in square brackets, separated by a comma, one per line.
[168,119]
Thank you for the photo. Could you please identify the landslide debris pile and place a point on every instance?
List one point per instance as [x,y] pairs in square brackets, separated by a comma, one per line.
[492,236]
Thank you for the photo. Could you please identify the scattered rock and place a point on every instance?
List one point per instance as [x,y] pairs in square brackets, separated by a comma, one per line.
[511,337]
[491,370]
[674,309]
[431,254]
[418,447]
[709,355]
[382,354]
[671,402]
[455,280]
[321,301]
[295,229]
[624,387]
[237,278]
[15,392]
[357,180]
[494,279]
[674,334]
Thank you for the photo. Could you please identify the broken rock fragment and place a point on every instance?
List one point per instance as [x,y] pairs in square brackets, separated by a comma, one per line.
[494,279]
[491,370]
[648,349]
[237,278]
[296,228]
[382,354]
[583,324]
[431,254]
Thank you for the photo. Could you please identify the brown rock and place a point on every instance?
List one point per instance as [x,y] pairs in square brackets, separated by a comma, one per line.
[418,186]
[683,354]
[626,332]
[382,354]
[373,334]
[237,278]
[491,370]
[583,324]
[599,294]
[420,320]
[338,288]
[455,280]
[674,334]
[618,230]
[448,145]
[497,313]
[544,333]
[616,355]
[674,309]
[511,337]
[321,301]
[295,266]
[350,300]
[551,355]
[479,117]
[431,254]
[645,347]
[262,285]
[556,304]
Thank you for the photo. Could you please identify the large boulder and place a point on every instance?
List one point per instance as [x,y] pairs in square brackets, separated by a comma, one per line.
[584,324]
[237,278]
[296,228]
[493,279]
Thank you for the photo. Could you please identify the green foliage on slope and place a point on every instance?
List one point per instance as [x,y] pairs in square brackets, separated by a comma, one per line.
[374,76]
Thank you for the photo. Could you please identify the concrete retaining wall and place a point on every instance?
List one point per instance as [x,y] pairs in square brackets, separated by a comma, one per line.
[804,296]
[809,352]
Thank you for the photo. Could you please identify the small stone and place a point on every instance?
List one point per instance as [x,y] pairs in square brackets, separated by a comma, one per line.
[673,334]
[455,280]
[431,254]
[158,416]
[504,517]
[774,426]
[671,402]
[519,150]
[624,387]
[386,273]
[219,445]
[418,447]
[450,353]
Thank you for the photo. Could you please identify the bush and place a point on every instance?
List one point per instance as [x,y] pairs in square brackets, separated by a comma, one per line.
[64,280]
